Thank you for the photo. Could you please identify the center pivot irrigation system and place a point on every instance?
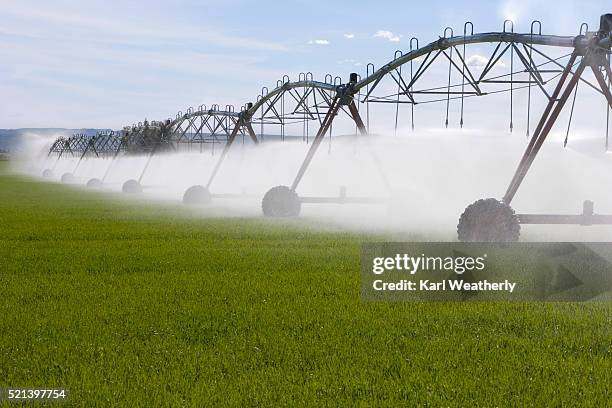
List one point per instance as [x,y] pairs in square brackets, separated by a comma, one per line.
[547,66]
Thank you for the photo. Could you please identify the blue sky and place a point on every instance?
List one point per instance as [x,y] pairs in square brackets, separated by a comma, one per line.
[111,63]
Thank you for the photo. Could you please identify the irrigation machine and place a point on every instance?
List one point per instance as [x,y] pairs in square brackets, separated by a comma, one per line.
[544,66]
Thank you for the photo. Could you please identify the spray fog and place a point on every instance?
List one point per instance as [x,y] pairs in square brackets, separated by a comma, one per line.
[424,179]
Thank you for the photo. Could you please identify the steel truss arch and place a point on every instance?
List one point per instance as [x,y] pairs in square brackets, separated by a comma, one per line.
[310,100]
[481,38]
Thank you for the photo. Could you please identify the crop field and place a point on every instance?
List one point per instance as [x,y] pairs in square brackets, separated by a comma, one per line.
[122,301]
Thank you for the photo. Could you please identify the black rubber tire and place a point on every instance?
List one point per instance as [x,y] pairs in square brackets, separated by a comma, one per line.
[281,201]
[197,195]
[94,183]
[67,178]
[47,173]
[488,220]
[131,187]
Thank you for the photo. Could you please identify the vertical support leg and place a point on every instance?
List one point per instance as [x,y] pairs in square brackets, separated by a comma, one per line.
[605,88]
[602,83]
[81,158]
[251,132]
[52,149]
[551,103]
[110,165]
[329,118]
[153,151]
[228,145]
[357,118]
[59,156]
[95,150]
[546,123]
[61,153]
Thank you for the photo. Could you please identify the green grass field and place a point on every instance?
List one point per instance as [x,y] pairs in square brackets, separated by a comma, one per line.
[129,303]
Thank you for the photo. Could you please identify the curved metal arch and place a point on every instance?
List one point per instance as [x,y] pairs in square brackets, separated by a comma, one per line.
[102,144]
[286,86]
[441,44]
[492,37]
[198,113]
[201,126]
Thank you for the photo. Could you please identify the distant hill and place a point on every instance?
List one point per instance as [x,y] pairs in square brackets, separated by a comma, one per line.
[9,138]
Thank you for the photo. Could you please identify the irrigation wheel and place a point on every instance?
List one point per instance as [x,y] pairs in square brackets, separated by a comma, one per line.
[67,178]
[94,183]
[488,220]
[197,195]
[131,187]
[281,201]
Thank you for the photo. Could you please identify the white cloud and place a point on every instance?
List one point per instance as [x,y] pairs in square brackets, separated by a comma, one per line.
[350,36]
[479,61]
[387,35]
[318,42]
